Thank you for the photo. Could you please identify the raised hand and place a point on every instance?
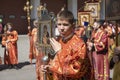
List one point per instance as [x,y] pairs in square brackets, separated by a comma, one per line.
[55,44]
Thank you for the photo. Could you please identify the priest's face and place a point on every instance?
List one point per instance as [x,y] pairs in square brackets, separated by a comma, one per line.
[9,27]
[96,25]
[64,27]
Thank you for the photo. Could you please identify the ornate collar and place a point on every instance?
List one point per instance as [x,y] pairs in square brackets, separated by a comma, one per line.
[65,39]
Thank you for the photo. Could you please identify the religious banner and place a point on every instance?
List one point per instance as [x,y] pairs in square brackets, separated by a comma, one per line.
[45,30]
[84,18]
[94,8]
[112,9]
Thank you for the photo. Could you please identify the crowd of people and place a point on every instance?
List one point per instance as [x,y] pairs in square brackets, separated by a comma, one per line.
[80,52]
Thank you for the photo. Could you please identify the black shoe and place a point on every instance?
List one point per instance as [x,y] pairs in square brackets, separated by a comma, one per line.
[10,66]
[15,67]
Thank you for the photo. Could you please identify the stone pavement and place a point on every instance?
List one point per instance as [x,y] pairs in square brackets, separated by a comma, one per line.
[26,70]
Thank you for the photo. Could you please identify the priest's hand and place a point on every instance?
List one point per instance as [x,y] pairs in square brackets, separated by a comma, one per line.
[89,45]
[55,44]
[44,68]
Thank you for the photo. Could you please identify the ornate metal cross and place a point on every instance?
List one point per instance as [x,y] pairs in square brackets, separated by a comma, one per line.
[28,8]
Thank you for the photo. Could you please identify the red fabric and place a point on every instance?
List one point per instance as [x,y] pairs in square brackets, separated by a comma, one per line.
[100,55]
[79,31]
[70,62]
[11,53]
[39,73]
[33,38]
[31,56]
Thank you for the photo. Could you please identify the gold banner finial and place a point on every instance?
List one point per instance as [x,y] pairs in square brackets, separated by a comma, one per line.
[28,8]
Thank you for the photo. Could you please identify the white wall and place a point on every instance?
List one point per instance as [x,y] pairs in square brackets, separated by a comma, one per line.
[72,6]
[102,10]
[35,4]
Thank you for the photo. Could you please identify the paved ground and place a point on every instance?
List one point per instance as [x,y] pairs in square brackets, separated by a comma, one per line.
[26,71]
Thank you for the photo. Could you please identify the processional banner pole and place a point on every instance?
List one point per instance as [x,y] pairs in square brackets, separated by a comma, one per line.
[28,8]
[44,45]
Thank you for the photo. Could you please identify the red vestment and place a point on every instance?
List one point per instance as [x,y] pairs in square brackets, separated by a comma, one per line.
[33,38]
[11,53]
[39,73]
[100,55]
[80,31]
[71,63]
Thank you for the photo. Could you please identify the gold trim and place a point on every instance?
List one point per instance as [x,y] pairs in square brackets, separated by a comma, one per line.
[97,40]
